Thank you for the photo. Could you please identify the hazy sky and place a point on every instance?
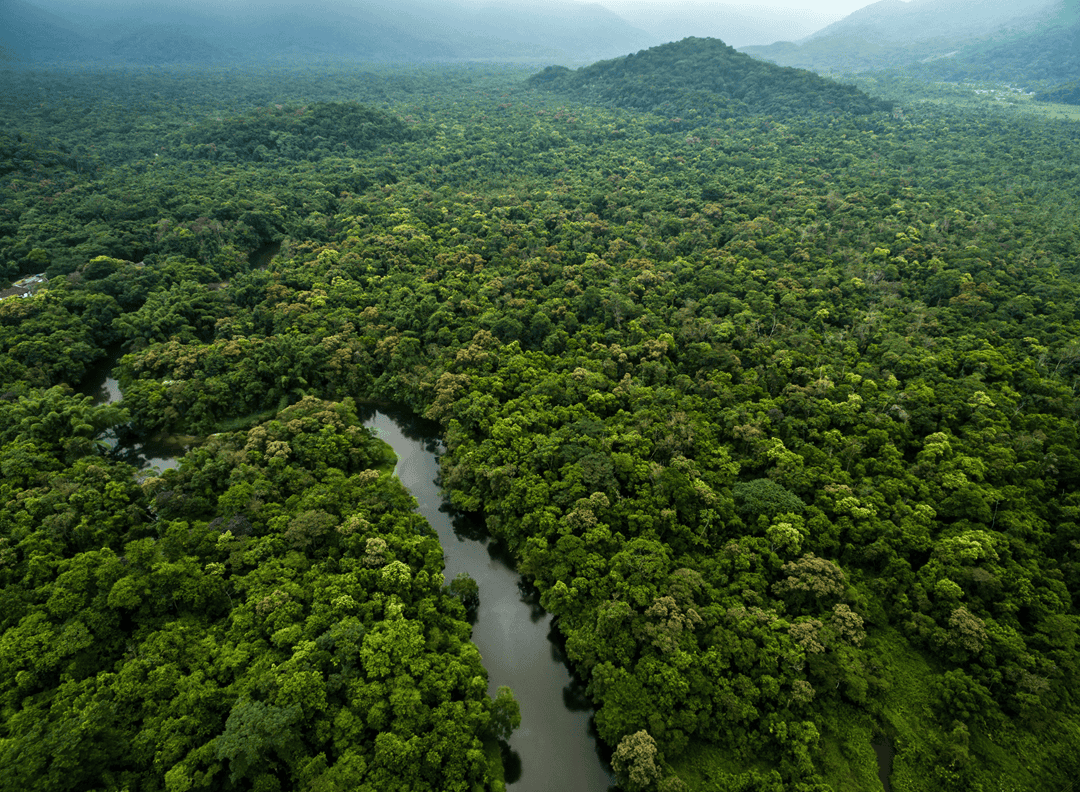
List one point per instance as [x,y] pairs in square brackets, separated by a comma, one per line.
[738,22]
[834,7]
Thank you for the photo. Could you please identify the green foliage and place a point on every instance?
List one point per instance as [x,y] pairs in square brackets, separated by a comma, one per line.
[765,497]
[465,589]
[778,416]
[312,132]
[228,625]
[635,761]
[505,714]
[256,736]
[1069,93]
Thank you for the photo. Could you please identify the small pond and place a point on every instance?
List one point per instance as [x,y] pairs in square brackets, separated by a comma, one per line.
[884,750]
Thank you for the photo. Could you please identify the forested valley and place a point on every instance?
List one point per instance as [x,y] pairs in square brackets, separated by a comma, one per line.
[770,387]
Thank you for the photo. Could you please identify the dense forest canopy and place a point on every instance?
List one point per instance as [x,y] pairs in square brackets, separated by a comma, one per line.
[779,413]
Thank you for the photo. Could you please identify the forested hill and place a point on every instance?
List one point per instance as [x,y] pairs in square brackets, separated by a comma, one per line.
[1038,46]
[698,78]
[1047,57]
[1066,94]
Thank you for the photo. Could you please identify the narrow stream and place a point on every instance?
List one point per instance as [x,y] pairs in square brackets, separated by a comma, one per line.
[555,745]
[884,750]
[102,387]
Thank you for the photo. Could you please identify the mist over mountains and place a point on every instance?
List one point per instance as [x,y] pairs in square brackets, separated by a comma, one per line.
[55,31]
[405,31]
[736,25]
[1028,42]
[892,33]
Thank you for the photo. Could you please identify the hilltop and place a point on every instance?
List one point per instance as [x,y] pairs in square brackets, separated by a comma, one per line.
[704,77]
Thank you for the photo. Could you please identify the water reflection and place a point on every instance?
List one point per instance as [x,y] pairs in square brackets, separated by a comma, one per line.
[97,382]
[530,597]
[575,698]
[156,455]
[122,442]
[105,391]
[511,763]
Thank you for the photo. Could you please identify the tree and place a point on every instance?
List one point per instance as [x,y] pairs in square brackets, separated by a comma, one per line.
[257,735]
[505,713]
[635,761]
[468,592]
[811,579]
[764,497]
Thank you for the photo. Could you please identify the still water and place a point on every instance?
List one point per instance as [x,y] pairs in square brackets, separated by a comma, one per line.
[148,453]
[555,747]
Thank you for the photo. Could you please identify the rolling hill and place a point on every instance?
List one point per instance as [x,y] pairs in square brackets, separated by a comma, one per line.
[700,78]
[1043,58]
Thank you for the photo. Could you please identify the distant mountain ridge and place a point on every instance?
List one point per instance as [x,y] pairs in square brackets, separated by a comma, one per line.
[28,32]
[1035,43]
[406,30]
[1044,57]
[921,20]
[895,33]
[165,45]
[695,79]
[738,24]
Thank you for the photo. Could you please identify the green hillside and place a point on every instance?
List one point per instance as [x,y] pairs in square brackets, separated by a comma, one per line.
[776,407]
[700,79]
[1032,43]
[163,45]
[1069,93]
[1050,57]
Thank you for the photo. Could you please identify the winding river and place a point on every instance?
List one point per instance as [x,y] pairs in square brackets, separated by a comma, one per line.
[556,747]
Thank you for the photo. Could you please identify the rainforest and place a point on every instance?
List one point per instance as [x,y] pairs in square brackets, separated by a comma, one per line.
[768,385]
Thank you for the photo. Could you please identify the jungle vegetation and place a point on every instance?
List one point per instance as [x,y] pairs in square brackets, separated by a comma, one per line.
[777,408]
